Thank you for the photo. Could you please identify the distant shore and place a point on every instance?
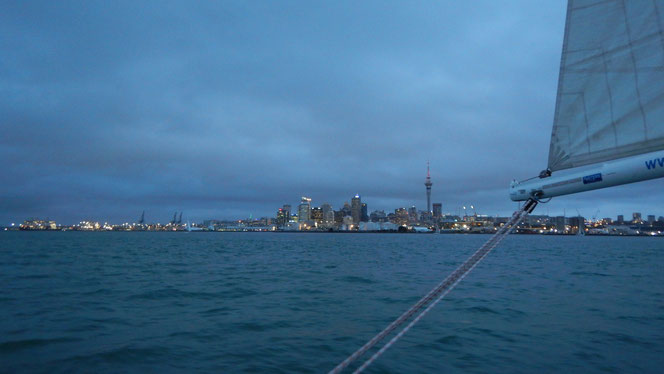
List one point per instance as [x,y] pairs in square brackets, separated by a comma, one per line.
[517,232]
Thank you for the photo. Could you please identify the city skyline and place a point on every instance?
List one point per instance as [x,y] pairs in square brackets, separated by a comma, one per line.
[306,207]
[230,109]
[402,220]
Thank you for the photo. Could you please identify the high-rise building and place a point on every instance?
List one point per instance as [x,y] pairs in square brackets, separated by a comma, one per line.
[356,208]
[284,215]
[304,210]
[412,214]
[345,210]
[437,211]
[317,215]
[365,215]
[400,216]
[328,213]
[339,216]
[282,218]
[428,184]
[621,219]
[651,218]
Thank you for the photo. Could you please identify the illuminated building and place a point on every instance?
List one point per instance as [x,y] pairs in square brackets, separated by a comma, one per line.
[412,214]
[283,216]
[400,216]
[636,217]
[304,210]
[287,212]
[328,213]
[437,211]
[317,215]
[38,224]
[356,209]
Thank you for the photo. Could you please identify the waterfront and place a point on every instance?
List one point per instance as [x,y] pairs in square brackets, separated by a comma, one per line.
[251,302]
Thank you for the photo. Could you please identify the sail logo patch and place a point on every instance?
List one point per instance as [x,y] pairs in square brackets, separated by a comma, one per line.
[651,164]
[592,178]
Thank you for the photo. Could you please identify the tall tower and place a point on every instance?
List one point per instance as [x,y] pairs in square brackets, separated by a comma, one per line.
[428,185]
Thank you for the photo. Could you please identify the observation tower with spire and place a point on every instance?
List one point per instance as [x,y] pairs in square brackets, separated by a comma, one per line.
[428,185]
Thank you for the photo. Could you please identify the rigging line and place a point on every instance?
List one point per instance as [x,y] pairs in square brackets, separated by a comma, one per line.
[436,294]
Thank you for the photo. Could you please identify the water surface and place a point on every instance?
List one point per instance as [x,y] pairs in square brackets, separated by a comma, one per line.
[300,303]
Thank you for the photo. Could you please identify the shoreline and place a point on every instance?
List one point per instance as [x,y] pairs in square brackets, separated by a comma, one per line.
[331,232]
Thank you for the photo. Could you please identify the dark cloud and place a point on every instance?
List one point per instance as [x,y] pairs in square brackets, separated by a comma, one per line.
[225,109]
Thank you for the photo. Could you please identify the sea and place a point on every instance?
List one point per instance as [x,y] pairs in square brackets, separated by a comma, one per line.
[155,302]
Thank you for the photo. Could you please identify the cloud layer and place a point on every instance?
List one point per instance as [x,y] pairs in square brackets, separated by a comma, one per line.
[226,109]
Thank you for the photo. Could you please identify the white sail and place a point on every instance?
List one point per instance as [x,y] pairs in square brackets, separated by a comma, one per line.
[610,102]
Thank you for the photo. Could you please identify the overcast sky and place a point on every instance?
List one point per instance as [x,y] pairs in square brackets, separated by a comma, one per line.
[231,108]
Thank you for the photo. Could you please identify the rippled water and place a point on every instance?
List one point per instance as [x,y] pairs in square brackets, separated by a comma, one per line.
[300,303]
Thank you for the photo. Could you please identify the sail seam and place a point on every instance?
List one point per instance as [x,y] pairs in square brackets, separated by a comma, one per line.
[585,119]
[608,90]
[616,50]
[636,71]
[592,5]
[659,25]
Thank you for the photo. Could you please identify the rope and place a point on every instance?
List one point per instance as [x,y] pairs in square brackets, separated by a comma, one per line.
[435,295]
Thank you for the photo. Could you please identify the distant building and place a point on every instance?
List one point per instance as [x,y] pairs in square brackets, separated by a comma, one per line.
[424,217]
[348,224]
[346,210]
[38,224]
[88,226]
[621,219]
[437,211]
[328,213]
[317,215]
[400,216]
[412,214]
[577,223]
[339,217]
[651,219]
[636,217]
[282,217]
[304,210]
[356,208]
[378,216]
[365,216]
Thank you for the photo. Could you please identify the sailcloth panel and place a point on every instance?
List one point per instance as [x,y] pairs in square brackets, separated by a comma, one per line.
[610,101]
